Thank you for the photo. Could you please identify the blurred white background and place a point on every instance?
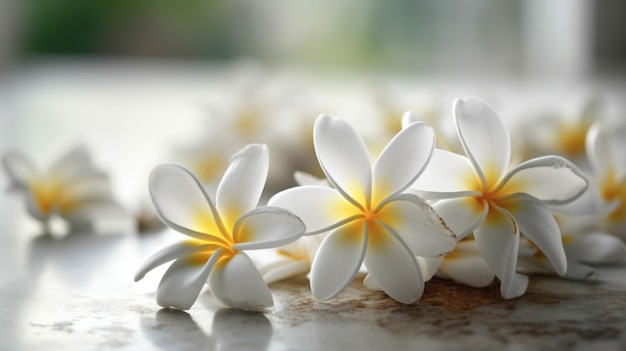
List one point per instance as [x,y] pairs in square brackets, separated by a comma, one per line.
[135,80]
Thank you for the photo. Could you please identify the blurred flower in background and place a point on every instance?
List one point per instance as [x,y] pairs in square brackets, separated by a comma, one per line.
[71,189]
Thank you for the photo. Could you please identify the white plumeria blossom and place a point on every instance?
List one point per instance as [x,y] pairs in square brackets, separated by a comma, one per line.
[72,188]
[563,132]
[219,231]
[605,150]
[369,218]
[481,195]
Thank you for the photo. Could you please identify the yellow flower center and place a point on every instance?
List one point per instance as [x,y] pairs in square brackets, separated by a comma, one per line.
[613,189]
[50,195]
[571,139]
[218,237]
[487,190]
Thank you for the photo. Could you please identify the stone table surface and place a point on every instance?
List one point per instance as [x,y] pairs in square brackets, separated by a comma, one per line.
[76,293]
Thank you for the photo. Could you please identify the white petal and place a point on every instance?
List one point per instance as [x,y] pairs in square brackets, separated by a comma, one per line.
[18,169]
[577,270]
[181,202]
[102,215]
[537,223]
[465,265]
[75,167]
[182,282]
[167,254]
[241,186]
[484,137]
[320,208]
[75,160]
[370,283]
[410,117]
[266,227]
[338,260]
[419,226]
[287,269]
[303,178]
[447,175]
[517,288]
[402,161]
[86,195]
[76,155]
[552,179]
[393,267]
[344,158]
[238,284]
[462,215]
[605,149]
[78,175]
[427,266]
[590,202]
[498,242]
[597,248]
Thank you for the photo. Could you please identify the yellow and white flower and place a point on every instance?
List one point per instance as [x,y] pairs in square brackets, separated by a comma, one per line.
[219,233]
[368,216]
[72,189]
[564,132]
[481,195]
[605,151]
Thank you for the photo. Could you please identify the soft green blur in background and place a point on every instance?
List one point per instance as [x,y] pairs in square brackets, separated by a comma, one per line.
[438,37]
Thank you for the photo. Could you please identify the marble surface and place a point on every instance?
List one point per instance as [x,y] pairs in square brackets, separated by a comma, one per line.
[76,293]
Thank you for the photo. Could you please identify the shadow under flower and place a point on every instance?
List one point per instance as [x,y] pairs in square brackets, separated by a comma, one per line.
[172,329]
[237,329]
[231,330]
[77,257]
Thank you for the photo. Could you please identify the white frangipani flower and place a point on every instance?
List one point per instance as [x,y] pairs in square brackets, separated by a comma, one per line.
[563,133]
[481,196]
[219,232]
[369,218]
[606,145]
[72,189]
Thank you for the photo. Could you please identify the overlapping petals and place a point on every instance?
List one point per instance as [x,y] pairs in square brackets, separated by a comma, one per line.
[496,205]
[219,232]
[369,217]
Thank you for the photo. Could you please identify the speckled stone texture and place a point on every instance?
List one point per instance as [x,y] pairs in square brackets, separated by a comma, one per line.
[76,293]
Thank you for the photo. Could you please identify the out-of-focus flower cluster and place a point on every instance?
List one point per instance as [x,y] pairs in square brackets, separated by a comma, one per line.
[404,186]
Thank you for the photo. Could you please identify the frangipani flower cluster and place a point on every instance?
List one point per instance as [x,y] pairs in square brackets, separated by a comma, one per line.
[371,213]
[72,189]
